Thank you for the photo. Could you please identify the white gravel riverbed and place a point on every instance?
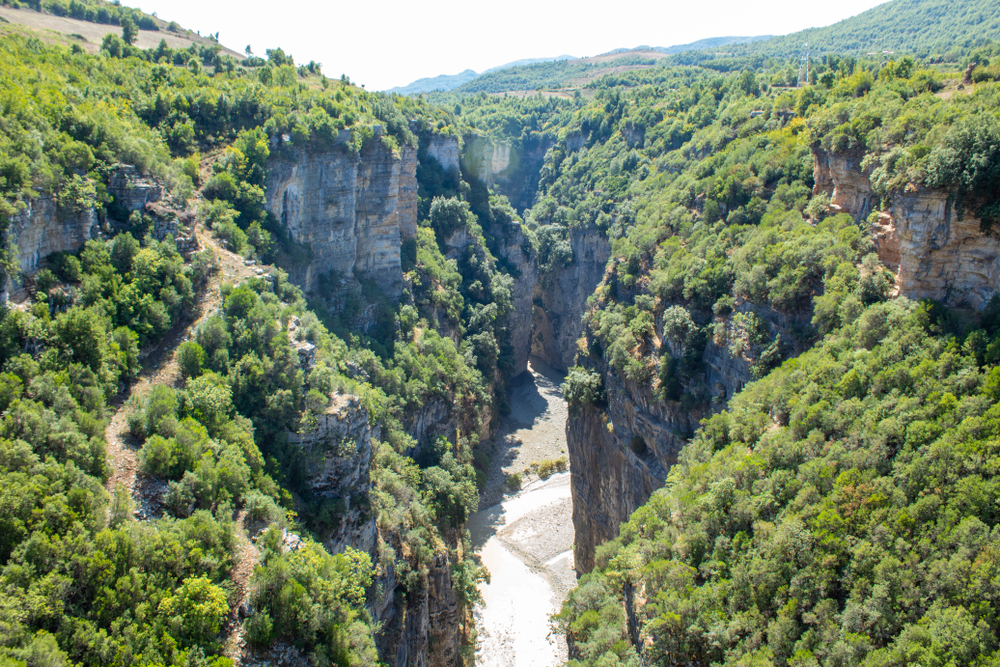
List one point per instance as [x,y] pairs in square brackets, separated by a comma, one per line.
[525,540]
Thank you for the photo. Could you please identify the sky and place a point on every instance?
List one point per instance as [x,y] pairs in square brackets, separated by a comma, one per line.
[388,43]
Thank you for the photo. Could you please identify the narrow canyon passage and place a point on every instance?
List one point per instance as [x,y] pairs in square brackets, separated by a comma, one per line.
[526,540]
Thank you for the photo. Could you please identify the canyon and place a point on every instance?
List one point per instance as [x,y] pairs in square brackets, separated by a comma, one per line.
[354,210]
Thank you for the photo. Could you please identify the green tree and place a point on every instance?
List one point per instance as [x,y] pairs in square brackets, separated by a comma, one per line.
[130,31]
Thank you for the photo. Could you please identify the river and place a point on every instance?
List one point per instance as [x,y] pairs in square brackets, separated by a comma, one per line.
[525,540]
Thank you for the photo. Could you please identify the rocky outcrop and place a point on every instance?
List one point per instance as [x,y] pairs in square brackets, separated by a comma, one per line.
[132,191]
[937,255]
[42,228]
[419,628]
[940,256]
[515,250]
[351,209]
[339,447]
[510,169]
[620,453]
[446,150]
[561,298]
[425,629]
[840,175]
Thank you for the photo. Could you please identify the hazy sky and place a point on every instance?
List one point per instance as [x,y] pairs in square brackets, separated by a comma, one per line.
[393,42]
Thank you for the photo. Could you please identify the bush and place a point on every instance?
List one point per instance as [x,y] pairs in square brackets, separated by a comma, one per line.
[191,359]
[513,482]
[549,467]
[582,387]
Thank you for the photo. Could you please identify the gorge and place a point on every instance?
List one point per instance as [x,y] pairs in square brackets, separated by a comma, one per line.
[695,362]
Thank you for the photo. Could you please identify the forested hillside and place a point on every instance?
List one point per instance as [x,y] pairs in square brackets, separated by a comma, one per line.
[777,539]
[261,323]
[87,579]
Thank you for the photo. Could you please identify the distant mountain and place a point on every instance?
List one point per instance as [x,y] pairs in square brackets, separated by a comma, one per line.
[432,83]
[710,43]
[529,61]
[446,82]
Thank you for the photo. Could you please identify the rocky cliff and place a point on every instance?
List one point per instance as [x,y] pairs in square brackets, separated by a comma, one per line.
[560,298]
[422,628]
[42,226]
[510,169]
[935,254]
[339,447]
[620,454]
[352,209]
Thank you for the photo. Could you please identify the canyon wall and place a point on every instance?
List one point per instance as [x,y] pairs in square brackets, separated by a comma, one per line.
[422,628]
[351,209]
[511,170]
[43,226]
[620,453]
[935,254]
[561,296]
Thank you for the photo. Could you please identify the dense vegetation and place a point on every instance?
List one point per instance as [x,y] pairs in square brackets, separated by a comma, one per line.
[841,511]
[82,579]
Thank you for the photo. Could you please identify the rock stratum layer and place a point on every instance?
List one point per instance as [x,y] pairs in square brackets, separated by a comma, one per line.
[936,254]
[352,209]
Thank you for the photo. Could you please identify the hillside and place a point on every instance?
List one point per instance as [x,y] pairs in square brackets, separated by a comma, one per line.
[445,82]
[562,72]
[926,28]
[89,34]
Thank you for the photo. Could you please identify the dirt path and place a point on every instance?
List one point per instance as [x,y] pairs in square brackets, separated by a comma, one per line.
[247,557]
[159,366]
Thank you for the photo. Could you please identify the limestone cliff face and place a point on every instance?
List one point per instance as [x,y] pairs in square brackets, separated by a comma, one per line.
[511,170]
[936,255]
[424,629]
[419,628]
[620,454]
[561,298]
[340,447]
[351,209]
[42,228]
[446,150]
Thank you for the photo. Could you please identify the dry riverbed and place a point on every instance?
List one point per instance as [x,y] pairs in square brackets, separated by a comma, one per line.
[525,539]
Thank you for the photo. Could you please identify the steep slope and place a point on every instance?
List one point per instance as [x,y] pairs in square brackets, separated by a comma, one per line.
[921,27]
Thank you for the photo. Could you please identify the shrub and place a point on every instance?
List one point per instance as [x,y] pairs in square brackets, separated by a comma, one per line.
[191,359]
[549,467]
[582,387]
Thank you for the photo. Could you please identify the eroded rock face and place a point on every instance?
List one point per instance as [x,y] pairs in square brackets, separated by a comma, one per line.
[446,150]
[942,257]
[42,227]
[841,176]
[418,629]
[351,209]
[620,455]
[131,190]
[936,255]
[516,250]
[427,630]
[340,447]
[561,297]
